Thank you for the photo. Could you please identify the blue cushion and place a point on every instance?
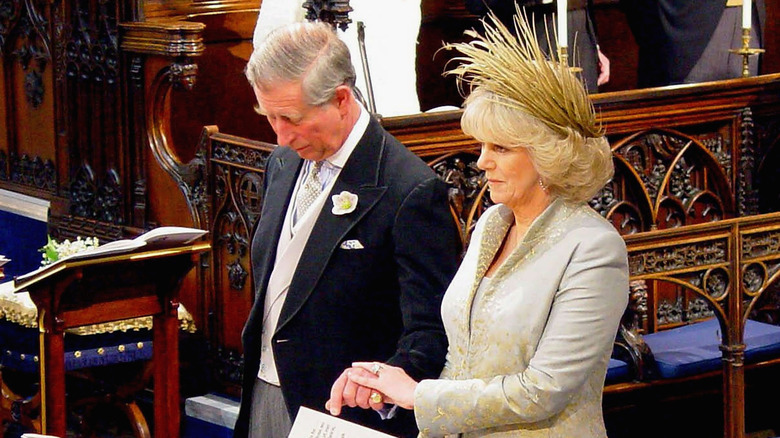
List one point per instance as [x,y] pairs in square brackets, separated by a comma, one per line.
[695,348]
[617,371]
[19,348]
[20,239]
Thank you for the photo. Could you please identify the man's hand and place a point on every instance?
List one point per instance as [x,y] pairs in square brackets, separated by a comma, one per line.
[603,69]
[345,392]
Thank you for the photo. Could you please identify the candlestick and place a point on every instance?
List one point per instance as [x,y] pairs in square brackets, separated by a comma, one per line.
[563,59]
[563,55]
[562,28]
[746,52]
[747,10]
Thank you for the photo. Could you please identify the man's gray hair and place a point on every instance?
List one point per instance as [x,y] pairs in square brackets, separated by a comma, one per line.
[309,52]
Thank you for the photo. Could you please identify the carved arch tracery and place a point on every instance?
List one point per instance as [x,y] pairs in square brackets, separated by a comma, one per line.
[23,37]
[670,179]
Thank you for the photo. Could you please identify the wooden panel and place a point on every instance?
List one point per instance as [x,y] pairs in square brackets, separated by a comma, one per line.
[171,10]
[617,43]
[27,147]
[771,58]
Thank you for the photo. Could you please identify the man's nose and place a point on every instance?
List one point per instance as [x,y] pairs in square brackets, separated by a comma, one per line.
[284,132]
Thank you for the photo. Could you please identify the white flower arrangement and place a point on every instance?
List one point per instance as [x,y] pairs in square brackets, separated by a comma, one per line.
[54,251]
[343,203]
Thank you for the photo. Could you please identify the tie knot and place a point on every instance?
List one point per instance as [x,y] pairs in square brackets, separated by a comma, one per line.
[310,190]
[314,174]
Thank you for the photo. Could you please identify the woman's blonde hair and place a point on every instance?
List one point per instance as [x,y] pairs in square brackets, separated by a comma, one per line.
[573,167]
[521,97]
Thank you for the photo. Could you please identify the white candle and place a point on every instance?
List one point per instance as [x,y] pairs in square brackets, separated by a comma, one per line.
[747,9]
[562,31]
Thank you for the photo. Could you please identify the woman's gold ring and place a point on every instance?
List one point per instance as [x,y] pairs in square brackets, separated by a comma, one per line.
[376,397]
[376,367]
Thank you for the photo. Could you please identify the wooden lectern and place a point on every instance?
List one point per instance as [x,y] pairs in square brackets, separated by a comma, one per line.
[106,288]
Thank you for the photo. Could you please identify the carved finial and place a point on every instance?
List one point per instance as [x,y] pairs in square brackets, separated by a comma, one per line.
[335,12]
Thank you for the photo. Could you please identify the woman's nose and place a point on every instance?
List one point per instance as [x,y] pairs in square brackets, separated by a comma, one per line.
[484,161]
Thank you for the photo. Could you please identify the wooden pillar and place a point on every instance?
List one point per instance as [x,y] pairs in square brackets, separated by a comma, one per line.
[733,391]
[733,344]
[52,363]
[166,375]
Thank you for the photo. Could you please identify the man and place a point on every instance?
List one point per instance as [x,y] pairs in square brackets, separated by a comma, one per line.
[354,248]
[583,46]
[688,41]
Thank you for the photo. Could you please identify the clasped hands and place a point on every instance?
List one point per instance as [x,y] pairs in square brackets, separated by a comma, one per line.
[371,385]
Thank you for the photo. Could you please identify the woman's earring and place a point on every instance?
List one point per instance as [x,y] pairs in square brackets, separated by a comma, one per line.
[542,184]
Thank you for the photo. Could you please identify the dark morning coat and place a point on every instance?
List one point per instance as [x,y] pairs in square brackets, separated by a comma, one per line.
[379,303]
[672,35]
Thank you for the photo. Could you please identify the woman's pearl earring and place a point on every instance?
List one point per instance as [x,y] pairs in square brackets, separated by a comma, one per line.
[542,184]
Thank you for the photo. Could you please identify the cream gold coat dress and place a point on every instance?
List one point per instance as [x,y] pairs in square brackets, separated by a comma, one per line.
[528,357]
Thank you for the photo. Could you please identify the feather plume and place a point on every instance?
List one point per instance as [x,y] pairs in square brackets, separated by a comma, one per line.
[519,73]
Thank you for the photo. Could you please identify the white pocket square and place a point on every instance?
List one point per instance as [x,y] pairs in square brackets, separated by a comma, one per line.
[351,244]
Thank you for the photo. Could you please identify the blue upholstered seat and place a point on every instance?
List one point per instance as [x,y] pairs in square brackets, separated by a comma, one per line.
[694,348]
[617,371]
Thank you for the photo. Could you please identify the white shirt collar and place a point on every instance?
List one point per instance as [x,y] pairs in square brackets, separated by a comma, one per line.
[342,155]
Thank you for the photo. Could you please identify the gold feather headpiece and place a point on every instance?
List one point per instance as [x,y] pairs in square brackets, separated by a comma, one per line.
[518,71]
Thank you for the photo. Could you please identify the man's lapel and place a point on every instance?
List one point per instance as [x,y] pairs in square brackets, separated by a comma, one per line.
[360,176]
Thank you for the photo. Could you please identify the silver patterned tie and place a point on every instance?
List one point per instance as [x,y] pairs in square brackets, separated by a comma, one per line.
[311,188]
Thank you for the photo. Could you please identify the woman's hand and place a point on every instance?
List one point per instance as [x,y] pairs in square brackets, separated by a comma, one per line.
[392,382]
[345,392]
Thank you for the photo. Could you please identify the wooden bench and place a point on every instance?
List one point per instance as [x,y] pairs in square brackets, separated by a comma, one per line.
[732,267]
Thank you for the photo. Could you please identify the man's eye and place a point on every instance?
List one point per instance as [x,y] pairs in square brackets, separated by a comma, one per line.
[293,120]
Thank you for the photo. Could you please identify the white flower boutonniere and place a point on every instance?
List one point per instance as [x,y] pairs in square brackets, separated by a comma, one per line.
[343,203]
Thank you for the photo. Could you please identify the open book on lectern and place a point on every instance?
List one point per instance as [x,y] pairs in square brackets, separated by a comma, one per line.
[158,238]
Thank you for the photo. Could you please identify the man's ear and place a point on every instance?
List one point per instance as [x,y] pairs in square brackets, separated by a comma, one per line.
[344,98]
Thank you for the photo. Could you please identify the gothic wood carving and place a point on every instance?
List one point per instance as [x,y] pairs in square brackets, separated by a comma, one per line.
[24,38]
[729,265]
[180,41]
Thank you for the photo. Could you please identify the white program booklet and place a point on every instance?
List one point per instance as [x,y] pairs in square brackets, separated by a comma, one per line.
[314,424]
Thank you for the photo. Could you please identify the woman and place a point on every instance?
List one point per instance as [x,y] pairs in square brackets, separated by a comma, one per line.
[532,313]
